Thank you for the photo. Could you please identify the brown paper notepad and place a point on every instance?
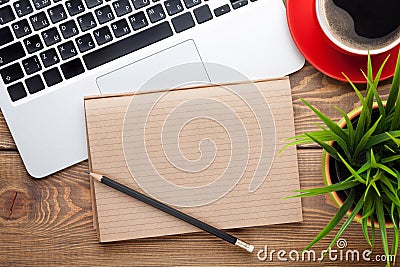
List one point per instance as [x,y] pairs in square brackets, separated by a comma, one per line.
[131,143]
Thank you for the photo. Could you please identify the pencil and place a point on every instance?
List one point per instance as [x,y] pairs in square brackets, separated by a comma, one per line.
[172,211]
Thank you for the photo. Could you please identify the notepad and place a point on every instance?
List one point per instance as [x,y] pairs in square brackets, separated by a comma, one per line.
[211,152]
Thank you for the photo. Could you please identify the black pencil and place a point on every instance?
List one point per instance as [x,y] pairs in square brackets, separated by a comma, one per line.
[171,211]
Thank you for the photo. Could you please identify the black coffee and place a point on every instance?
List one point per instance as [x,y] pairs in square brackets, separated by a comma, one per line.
[372,18]
[363,24]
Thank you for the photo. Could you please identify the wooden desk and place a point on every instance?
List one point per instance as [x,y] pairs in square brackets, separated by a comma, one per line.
[48,222]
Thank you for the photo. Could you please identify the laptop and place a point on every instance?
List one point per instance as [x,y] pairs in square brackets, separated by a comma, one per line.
[53,53]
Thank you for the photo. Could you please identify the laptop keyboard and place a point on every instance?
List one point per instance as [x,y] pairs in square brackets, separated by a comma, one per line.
[45,42]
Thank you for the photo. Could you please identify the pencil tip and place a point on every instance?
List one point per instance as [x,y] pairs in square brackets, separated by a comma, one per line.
[88,172]
[96,176]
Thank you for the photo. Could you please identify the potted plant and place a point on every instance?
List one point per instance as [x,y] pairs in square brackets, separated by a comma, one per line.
[361,162]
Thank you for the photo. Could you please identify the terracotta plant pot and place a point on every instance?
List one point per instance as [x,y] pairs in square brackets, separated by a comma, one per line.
[328,168]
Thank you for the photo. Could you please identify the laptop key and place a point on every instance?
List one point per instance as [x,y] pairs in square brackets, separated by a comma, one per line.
[104,14]
[156,13]
[87,22]
[52,76]
[11,73]
[11,53]
[34,84]
[57,13]
[5,36]
[16,91]
[239,3]
[39,21]
[93,3]
[72,68]
[33,44]
[102,35]
[139,20]
[173,6]
[122,7]
[140,3]
[31,65]
[69,29]
[67,50]
[49,57]
[120,28]
[39,4]
[191,3]
[183,22]
[23,7]
[85,42]
[21,28]
[6,15]
[128,45]
[74,7]
[51,36]
[202,14]
[219,11]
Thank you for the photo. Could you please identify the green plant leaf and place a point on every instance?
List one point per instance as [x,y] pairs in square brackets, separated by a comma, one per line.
[386,181]
[327,121]
[368,210]
[393,198]
[363,168]
[364,139]
[375,178]
[373,161]
[380,138]
[390,159]
[382,226]
[394,91]
[396,98]
[376,188]
[338,140]
[352,215]
[387,169]
[330,150]
[327,189]
[372,219]
[373,88]
[365,114]
[390,149]
[335,220]
[352,171]
[368,177]
[395,221]
[304,139]
[395,140]
[369,98]
[396,119]
[349,127]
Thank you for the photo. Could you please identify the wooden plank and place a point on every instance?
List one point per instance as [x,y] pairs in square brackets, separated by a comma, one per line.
[48,222]
[6,140]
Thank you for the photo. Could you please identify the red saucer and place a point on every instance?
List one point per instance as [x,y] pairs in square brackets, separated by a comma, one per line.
[321,52]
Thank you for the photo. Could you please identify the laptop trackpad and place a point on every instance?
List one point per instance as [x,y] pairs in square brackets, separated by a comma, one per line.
[176,66]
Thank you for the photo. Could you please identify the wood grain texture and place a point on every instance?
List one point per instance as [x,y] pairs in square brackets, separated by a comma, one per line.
[48,222]
[6,140]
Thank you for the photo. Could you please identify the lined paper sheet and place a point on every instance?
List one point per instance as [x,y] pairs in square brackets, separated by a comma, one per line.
[211,166]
